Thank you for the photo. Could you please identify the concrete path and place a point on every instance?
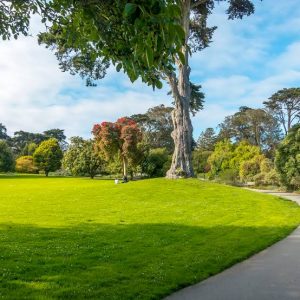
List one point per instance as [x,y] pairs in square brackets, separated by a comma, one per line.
[273,274]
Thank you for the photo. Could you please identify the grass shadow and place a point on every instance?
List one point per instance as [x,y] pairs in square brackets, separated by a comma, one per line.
[122,261]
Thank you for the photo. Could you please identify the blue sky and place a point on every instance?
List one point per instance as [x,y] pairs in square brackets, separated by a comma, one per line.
[248,60]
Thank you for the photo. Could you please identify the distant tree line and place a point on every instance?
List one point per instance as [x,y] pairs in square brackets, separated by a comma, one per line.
[258,145]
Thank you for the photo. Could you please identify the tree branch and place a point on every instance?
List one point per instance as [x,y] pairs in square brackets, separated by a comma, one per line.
[197,3]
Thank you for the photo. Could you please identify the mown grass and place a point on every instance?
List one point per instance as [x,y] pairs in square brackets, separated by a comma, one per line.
[75,238]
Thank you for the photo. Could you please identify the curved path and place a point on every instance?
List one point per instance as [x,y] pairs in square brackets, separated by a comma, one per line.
[273,274]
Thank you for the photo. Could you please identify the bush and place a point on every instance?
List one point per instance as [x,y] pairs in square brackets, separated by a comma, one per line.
[200,161]
[259,179]
[241,161]
[47,157]
[288,159]
[266,165]
[267,178]
[24,164]
[7,162]
[272,178]
[156,163]
[250,168]
[228,176]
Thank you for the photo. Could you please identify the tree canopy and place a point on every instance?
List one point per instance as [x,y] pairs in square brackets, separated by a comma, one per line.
[156,125]
[120,139]
[47,157]
[81,158]
[3,132]
[288,158]
[6,157]
[256,126]
[285,104]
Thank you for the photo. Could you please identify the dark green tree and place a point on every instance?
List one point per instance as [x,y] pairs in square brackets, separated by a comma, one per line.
[200,161]
[15,16]
[82,158]
[7,161]
[155,163]
[156,125]
[47,157]
[22,139]
[257,126]
[29,149]
[207,140]
[57,134]
[3,132]
[285,105]
[288,159]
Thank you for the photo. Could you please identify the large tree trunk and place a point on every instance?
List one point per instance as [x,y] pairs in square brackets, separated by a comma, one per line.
[182,157]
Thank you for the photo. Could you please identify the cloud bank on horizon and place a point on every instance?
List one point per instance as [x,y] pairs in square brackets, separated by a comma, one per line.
[247,62]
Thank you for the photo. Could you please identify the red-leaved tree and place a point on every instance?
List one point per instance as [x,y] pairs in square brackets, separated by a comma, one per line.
[120,138]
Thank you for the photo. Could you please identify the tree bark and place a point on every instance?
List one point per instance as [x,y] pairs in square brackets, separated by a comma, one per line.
[182,134]
[124,167]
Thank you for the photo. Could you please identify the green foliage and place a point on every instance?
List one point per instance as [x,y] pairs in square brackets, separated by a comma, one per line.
[266,165]
[258,127]
[219,160]
[22,139]
[7,162]
[24,164]
[15,16]
[82,158]
[157,126]
[244,152]
[3,132]
[285,105]
[200,161]
[47,157]
[57,134]
[88,37]
[288,159]
[196,98]
[250,168]
[91,239]
[156,163]
[207,140]
[120,139]
[29,149]
[235,162]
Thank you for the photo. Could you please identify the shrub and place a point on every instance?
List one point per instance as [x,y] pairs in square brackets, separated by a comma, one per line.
[24,164]
[47,157]
[259,179]
[7,162]
[288,159]
[272,178]
[250,168]
[155,164]
[266,165]
[228,176]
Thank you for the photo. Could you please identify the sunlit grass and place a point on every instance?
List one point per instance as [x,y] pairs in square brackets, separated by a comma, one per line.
[77,238]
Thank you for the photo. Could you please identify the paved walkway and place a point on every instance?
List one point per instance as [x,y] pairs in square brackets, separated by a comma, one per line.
[273,274]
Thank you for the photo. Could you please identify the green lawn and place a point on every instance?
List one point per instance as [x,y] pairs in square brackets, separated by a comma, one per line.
[75,238]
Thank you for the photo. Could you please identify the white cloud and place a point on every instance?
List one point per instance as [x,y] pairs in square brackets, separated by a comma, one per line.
[35,95]
[211,116]
[248,60]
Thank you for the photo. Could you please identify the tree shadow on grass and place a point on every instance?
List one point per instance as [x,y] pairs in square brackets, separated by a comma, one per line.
[123,261]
